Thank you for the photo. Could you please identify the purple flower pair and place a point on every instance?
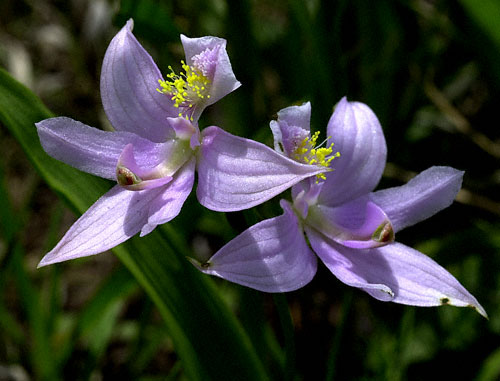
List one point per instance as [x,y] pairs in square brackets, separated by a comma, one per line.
[157,147]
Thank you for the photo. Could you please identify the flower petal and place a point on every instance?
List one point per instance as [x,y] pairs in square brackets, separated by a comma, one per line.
[394,272]
[236,173]
[115,217]
[221,75]
[129,79]
[92,150]
[167,205]
[423,196]
[358,224]
[271,256]
[359,138]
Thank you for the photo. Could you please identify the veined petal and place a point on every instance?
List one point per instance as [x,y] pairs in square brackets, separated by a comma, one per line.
[394,272]
[359,224]
[217,66]
[359,138]
[167,205]
[423,196]
[115,217]
[129,79]
[92,150]
[236,173]
[271,256]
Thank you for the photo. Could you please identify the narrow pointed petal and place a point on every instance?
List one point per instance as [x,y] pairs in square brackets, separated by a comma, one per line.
[271,256]
[129,80]
[218,66]
[423,196]
[236,173]
[395,273]
[359,224]
[167,205]
[115,217]
[358,136]
[92,150]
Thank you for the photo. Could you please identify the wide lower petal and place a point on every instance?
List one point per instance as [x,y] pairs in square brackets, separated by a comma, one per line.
[271,256]
[167,205]
[394,272]
[236,173]
[115,217]
[423,196]
[129,80]
[95,151]
[358,136]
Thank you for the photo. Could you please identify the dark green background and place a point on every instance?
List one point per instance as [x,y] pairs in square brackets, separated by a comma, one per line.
[431,72]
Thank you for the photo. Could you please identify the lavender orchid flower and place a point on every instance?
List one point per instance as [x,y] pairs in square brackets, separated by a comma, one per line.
[157,145]
[349,227]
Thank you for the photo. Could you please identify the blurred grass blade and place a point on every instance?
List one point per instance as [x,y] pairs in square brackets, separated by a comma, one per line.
[96,322]
[483,32]
[490,371]
[206,336]
[44,362]
[10,327]
[334,353]
[485,13]
[288,332]
[118,286]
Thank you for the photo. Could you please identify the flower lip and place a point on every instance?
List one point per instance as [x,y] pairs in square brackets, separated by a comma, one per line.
[306,151]
[187,89]
[206,61]
[208,54]
[292,137]
[207,76]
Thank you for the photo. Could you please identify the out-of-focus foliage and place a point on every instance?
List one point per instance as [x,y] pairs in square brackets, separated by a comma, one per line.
[431,72]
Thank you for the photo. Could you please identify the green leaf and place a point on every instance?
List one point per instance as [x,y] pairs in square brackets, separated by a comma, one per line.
[483,33]
[485,14]
[490,370]
[96,322]
[43,363]
[207,337]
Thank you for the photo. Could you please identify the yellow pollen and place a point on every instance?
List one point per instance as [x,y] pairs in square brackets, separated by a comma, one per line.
[185,89]
[307,152]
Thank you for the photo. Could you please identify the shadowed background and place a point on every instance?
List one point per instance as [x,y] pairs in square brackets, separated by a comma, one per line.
[431,72]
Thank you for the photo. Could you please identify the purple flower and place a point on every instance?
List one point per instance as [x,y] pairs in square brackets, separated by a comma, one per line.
[157,145]
[349,227]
